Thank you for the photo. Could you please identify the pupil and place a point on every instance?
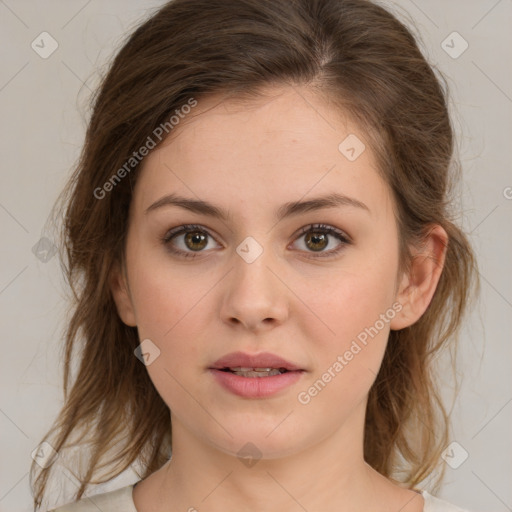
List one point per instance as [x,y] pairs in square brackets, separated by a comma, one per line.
[317,239]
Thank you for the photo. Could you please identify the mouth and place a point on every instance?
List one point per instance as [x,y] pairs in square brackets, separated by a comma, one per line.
[255,376]
[252,384]
[258,365]
[255,383]
[254,372]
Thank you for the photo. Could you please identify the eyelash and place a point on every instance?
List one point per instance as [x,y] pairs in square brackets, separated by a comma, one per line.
[317,228]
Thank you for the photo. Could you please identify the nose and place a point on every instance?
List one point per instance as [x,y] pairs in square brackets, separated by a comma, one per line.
[254,295]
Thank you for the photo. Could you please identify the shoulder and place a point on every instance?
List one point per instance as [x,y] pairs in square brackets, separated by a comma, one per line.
[433,504]
[119,500]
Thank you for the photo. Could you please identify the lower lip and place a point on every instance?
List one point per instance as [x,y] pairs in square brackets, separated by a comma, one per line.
[255,387]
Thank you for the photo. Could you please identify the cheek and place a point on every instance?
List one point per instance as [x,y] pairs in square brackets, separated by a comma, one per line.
[353,310]
[347,362]
[167,308]
[167,315]
[163,294]
[171,308]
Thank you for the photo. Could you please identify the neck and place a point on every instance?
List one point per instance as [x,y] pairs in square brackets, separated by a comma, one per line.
[329,474]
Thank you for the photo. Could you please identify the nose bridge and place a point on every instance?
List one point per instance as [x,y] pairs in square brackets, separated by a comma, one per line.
[253,294]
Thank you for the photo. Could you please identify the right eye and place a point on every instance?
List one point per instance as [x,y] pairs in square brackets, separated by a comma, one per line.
[196,238]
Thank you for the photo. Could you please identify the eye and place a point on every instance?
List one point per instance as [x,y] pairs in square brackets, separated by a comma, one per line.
[318,237]
[196,239]
[190,240]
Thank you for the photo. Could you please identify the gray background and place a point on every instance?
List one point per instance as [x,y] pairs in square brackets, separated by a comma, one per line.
[43,106]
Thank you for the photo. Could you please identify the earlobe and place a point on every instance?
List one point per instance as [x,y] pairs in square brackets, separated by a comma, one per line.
[121,295]
[419,285]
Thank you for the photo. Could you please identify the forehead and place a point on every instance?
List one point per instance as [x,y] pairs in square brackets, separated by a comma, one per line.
[271,148]
[279,119]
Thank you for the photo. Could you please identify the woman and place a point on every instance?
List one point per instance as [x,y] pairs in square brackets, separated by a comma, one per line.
[260,240]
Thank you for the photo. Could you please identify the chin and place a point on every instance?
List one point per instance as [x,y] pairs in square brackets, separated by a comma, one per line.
[260,442]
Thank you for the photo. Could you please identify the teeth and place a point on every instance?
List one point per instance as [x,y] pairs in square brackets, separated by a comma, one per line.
[242,369]
[257,372]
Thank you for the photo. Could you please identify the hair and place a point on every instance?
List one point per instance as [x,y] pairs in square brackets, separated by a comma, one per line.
[353,53]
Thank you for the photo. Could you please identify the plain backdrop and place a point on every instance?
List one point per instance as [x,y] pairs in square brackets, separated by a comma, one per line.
[43,105]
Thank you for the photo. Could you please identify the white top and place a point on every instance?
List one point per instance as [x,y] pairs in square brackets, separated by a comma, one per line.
[121,500]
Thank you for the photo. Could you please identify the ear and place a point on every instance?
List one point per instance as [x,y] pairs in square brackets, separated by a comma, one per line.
[122,297]
[418,286]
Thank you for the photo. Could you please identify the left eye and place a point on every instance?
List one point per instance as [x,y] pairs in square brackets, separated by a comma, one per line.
[316,238]
[195,240]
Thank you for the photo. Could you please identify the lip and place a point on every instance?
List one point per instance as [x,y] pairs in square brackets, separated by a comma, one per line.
[263,360]
[255,387]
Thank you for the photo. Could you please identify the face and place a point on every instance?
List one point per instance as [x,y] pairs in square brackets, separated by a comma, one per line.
[316,287]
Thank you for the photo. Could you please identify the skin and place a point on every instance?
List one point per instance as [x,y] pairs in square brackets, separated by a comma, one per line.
[249,158]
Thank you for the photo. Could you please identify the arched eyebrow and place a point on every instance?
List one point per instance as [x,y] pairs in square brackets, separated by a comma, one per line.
[289,209]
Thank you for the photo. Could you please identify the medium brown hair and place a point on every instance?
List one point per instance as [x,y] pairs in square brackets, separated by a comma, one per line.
[352,53]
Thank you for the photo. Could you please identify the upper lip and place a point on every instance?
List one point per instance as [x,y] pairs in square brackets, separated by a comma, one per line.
[244,360]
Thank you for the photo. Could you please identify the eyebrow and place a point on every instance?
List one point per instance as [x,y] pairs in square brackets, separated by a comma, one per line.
[286,210]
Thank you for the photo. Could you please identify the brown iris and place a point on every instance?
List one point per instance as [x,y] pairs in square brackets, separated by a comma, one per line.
[193,238]
[318,241]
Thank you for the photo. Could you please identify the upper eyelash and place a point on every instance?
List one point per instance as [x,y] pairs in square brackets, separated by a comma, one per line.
[329,230]
[326,229]
[178,230]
